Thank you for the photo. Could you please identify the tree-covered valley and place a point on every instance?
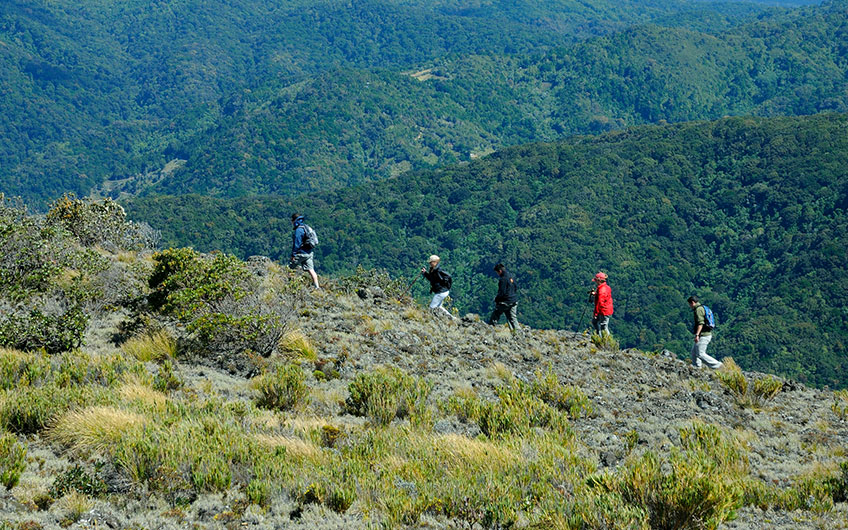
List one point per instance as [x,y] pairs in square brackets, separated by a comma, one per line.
[747,213]
[255,94]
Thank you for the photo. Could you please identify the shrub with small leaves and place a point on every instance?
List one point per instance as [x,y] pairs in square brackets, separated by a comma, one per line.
[747,395]
[698,485]
[219,301]
[388,393]
[12,459]
[840,404]
[167,379]
[363,278]
[284,388]
[605,341]
[76,478]
[100,222]
[566,398]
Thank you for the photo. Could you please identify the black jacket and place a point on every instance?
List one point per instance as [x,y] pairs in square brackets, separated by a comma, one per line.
[507,289]
[440,281]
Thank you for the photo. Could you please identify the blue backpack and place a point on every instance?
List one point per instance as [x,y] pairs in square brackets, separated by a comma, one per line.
[709,317]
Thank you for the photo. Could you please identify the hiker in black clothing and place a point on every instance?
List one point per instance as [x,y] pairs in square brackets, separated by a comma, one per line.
[440,284]
[506,300]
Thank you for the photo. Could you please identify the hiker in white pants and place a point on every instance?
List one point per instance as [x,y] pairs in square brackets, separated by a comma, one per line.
[440,284]
[703,335]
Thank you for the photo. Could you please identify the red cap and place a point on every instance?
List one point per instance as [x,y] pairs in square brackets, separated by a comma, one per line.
[600,276]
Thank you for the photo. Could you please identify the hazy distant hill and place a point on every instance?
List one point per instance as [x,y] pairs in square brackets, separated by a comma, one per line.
[96,90]
[750,214]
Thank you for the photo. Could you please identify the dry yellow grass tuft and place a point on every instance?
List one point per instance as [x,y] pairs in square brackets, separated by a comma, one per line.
[156,346]
[94,429]
[144,394]
[459,451]
[498,370]
[295,447]
[296,342]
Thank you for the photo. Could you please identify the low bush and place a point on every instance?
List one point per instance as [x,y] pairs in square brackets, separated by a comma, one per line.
[745,394]
[219,301]
[362,278]
[565,398]
[519,407]
[101,222]
[605,341]
[12,460]
[167,378]
[284,388]
[76,478]
[386,394]
[840,404]
[56,327]
[698,485]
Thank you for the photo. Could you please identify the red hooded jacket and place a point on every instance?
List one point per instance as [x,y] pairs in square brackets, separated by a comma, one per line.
[603,300]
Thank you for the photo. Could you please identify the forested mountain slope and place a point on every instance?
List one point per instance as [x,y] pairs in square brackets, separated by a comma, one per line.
[348,126]
[98,90]
[748,213]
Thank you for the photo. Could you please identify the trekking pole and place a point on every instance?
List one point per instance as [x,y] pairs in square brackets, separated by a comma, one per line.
[409,287]
[580,325]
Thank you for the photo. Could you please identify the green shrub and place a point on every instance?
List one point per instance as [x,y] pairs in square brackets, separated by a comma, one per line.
[76,478]
[12,460]
[362,278]
[840,404]
[37,329]
[745,394]
[219,301]
[605,341]
[166,378]
[387,393]
[283,389]
[569,399]
[698,485]
[100,222]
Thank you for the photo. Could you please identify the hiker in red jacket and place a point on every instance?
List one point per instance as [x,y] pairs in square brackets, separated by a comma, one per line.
[603,304]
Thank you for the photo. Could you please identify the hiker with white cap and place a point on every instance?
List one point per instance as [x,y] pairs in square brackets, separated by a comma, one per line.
[440,284]
[603,304]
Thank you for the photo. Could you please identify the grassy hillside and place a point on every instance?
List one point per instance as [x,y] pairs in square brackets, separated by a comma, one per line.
[102,90]
[215,393]
[747,213]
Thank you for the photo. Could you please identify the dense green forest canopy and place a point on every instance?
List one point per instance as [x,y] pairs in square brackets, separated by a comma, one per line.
[96,90]
[353,125]
[747,213]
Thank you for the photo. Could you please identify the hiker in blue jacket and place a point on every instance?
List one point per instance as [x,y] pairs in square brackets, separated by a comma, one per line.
[302,253]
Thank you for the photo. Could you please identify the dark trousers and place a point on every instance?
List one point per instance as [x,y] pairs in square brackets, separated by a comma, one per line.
[511,314]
